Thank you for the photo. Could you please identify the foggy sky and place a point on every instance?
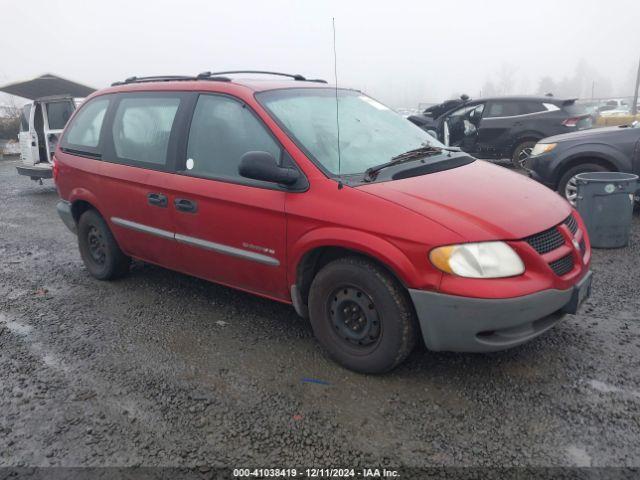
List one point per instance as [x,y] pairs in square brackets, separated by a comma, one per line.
[402,52]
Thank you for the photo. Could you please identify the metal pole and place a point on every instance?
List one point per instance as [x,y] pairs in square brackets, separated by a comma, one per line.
[634,105]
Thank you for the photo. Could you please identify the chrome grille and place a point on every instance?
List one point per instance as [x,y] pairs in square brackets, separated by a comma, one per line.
[547,241]
[563,265]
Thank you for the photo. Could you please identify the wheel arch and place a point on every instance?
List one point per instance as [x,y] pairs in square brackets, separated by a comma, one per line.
[315,253]
[82,200]
[584,158]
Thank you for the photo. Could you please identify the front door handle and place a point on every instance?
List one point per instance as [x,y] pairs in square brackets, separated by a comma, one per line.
[185,205]
[157,199]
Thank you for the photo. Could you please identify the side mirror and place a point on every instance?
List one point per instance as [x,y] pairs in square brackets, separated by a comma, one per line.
[262,166]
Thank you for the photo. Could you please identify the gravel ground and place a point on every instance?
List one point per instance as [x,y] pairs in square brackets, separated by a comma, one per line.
[162,369]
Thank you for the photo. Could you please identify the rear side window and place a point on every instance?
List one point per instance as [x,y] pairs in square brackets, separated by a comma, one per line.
[502,109]
[222,131]
[141,128]
[84,130]
[531,107]
[58,114]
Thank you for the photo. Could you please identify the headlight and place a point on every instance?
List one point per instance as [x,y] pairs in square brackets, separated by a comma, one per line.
[541,148]
[478,260]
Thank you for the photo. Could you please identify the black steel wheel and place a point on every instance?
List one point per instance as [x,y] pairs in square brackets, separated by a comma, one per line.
[354,316]
[98,248]
[97,245]
[362,315]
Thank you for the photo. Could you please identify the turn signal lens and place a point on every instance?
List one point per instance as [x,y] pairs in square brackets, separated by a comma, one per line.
[478,260]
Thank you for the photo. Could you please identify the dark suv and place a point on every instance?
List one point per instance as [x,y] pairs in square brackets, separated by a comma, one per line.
[557,160]
[505,127]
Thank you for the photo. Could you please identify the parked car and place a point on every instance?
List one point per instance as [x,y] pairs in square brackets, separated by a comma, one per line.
[378,240]
[53,100]
[555,161]
[41,123]
[506,127]
[616,104]
[427,120]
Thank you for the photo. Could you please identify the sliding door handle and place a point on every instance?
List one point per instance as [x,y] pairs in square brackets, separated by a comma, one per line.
[157,199]
[184,205]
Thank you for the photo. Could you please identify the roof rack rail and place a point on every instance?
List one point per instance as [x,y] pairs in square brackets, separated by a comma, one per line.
[167,78]
[297,76]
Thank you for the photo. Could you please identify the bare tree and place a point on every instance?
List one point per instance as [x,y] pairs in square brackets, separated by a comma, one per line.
[547,85]
[489,89]
[506,78]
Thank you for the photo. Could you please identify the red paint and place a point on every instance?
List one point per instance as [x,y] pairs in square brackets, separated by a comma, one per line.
[396,222]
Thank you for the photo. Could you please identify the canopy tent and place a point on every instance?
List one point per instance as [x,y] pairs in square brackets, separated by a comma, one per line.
[45,86]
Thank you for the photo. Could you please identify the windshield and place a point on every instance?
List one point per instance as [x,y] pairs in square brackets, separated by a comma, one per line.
[370,133]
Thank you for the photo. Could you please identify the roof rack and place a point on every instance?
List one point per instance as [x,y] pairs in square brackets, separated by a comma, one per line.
[297,76]
[212,76]
[167,78]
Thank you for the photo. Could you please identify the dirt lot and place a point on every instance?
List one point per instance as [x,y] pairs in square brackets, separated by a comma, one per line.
[165,369]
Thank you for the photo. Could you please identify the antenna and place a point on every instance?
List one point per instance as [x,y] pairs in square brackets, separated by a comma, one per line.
[335,74]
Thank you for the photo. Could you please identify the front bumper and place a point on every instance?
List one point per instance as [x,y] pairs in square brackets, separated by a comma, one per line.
[64,211]
[464,324]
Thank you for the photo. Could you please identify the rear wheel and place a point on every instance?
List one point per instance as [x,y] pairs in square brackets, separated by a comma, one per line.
[98,248]
[361,315]
[522,153]
[567,186]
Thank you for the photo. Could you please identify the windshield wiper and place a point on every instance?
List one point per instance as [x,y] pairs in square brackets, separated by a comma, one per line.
[371,173]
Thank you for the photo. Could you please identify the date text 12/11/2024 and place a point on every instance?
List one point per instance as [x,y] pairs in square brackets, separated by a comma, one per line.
[316,472]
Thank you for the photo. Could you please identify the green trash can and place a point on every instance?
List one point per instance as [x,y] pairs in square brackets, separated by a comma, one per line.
[605,202]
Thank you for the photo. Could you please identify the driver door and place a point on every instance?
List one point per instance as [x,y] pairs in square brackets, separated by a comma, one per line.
[460,127]
[229,229]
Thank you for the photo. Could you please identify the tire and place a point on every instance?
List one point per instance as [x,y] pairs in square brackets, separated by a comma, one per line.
[382,329]
[563,184]
[521,153]
[99,249]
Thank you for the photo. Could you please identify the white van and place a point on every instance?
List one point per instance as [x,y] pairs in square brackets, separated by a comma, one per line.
[53,100]
[41,124]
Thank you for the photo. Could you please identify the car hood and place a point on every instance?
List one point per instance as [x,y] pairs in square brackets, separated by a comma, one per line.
[478,201]
[590,134]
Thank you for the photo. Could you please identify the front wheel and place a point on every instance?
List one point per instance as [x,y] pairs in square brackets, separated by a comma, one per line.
[567,186]
[361,315]
[522,153]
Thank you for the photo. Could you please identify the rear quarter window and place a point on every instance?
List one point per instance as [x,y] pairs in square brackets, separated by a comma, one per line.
[574,109]
[83,133]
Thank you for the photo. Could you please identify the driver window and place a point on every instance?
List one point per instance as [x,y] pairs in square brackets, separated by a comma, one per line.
[222,131]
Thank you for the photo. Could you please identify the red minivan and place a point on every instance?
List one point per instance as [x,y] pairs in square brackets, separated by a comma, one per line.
[325,199]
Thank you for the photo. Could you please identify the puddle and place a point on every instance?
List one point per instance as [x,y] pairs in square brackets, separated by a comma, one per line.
[606,388]
[603,387]
[15,327]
